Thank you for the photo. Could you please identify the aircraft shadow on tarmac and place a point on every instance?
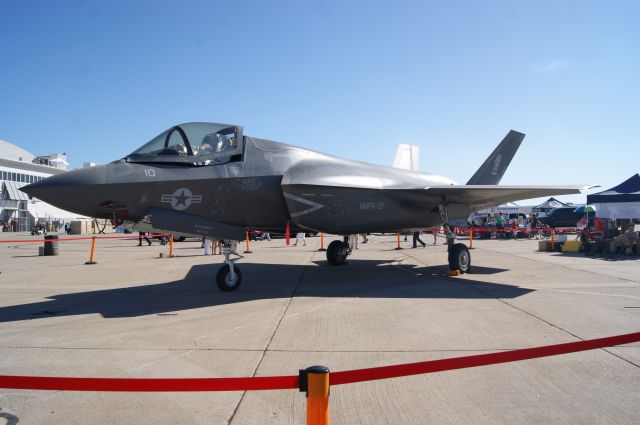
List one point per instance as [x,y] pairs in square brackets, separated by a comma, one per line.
[360,279]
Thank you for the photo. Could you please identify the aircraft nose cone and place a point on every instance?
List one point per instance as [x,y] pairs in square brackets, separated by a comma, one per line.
[74,191]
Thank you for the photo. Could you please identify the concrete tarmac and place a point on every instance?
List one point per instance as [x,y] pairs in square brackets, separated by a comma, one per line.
[136,315]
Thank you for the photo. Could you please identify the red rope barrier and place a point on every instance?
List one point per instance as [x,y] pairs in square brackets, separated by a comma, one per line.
[149,385]
[385,372]
[291,382]
[130,236]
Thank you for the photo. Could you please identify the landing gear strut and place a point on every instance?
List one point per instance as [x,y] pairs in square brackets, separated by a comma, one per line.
[459,256]
[338,251]
[229,277]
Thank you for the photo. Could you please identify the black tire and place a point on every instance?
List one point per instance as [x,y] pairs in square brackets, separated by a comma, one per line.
[459,258]
[223,278]
[337,253]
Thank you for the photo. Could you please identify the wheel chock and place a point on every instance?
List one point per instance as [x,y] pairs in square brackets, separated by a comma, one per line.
[455,272]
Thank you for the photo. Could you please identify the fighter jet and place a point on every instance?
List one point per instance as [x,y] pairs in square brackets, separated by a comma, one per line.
[210,179]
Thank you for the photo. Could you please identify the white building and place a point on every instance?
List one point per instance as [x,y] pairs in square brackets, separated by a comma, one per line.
[18,168]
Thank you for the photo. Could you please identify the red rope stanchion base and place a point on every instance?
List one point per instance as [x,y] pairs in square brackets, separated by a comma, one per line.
[291,382]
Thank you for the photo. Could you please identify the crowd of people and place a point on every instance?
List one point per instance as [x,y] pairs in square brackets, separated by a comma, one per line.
[506,228]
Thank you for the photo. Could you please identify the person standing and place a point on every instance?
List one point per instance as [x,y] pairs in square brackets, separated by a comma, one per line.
[216,247]
[535,225]
[581,225]
[353,242]
[499,226]
[299,237]
[143,235]
[416,239]
[435,234]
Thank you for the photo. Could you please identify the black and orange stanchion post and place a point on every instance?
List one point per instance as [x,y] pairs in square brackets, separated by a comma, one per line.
[246,241]
[553,240]
[314,381]
[93,250]
[398,238]
[322,248]
[171,246]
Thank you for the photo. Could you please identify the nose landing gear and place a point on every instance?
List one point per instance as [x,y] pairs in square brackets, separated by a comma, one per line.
[229,276]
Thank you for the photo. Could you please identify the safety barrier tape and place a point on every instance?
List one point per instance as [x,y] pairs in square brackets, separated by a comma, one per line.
[291,382]
[87,238]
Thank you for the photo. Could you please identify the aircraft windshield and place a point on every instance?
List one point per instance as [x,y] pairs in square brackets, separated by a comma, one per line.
[199,143]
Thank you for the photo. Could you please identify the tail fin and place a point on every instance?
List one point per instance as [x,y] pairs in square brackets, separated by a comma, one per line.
[407,157]
[493,169]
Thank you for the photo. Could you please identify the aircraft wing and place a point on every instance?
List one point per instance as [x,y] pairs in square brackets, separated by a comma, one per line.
[481,196]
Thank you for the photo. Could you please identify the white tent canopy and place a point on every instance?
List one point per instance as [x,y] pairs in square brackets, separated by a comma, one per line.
[548,205]
[43,211]
[622,201]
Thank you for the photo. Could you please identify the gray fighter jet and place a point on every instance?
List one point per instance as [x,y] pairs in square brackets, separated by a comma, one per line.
[210,179]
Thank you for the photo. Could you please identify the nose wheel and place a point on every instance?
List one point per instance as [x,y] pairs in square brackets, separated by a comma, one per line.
[229,276]
[228,279]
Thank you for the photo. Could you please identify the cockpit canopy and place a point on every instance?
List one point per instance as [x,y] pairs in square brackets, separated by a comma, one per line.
[197,143]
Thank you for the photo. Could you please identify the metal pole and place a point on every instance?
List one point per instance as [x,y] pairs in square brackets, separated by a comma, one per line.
[247,251]
[398,238]
[287,234]
[93,248]
[322,248]
[318,395]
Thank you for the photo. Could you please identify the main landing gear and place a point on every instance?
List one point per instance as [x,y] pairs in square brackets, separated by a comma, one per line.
[229,276]
[459,256]
[338,251]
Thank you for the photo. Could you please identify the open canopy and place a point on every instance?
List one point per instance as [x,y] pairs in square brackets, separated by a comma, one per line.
[198,143]
[621,201]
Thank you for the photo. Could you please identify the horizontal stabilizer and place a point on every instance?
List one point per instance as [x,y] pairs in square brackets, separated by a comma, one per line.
[188,223]
[482,196]
[492,170]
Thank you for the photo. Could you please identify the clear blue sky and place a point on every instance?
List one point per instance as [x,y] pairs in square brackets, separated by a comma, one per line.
[96,79]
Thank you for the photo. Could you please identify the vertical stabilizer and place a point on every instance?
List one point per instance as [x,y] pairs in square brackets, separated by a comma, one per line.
[496,164]
[407,157]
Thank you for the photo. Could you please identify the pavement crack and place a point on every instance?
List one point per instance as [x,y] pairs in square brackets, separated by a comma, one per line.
[546,321]
[472,286]
[275,329]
